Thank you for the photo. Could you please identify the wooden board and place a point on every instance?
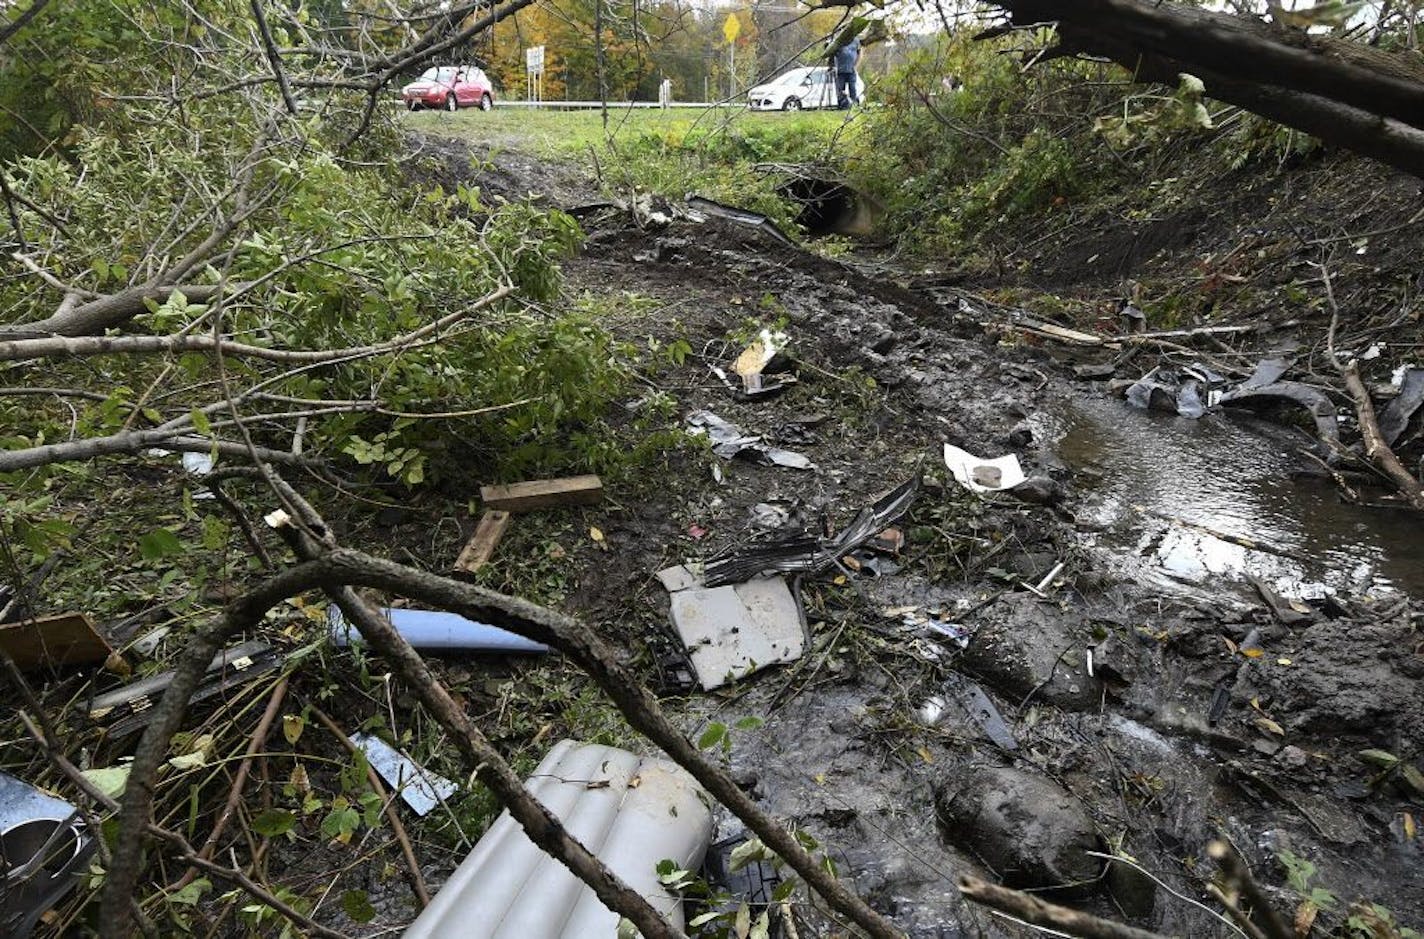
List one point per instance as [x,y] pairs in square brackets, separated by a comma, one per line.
[543,494]
[66,639]
[480,548]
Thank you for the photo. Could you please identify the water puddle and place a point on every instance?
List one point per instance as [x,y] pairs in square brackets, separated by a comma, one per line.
[1201,500]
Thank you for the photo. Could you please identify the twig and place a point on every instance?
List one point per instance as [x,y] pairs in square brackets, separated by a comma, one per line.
[184,849]
[1031,909]
[273,56]
[234,796]
[417,881]
[1237,876]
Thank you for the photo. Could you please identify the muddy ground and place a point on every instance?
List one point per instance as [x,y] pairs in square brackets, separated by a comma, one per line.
[1153,701]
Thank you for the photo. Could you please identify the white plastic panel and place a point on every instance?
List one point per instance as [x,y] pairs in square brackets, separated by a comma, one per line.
[628,810]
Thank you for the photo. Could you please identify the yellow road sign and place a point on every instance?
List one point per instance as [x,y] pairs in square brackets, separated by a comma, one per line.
[732,28]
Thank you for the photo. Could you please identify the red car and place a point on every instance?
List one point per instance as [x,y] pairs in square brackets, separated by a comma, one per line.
[450,87]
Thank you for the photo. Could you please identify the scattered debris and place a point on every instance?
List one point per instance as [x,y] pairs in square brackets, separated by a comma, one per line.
[480,548]
[808,554]
[44,849]
[630,811]
[1315,401]
[1175,391]
[421,789]
[730,632]
[969,698]
[128,709]
[1395,417]
[1289,612]
[755,359]
[980,475]
[728,442]
[543,494]
[731,213]
[438,631]
[65,639]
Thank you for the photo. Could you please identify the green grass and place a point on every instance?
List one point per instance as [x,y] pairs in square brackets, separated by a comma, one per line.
[570,133]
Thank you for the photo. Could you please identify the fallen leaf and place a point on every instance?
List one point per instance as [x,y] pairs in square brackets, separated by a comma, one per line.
[1253,653]
[1283,661]
[925,754]
[292,727]
[1266,724]
[110,780]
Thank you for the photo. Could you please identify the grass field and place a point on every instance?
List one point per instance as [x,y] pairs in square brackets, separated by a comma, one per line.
[562,133]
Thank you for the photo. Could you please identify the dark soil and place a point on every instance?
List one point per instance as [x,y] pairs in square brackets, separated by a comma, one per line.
[1130,694]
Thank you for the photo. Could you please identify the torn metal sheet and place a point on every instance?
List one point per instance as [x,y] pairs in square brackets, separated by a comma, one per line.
[1186,392]
[741,216]
[437,630]
[806,553]
[728,441]
[976,705]
[980,475]
[631,812]
[1395,417]
[1321,408]
[731,632]
[129,708]
[44,849]
[421,789]
[1268,372]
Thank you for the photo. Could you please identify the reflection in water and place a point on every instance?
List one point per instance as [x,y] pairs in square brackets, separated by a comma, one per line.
[1193,494]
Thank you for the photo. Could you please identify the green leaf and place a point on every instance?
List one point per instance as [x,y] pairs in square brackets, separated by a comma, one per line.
[192,893]
[1381,758]
[201,422]
[749,723]
[358,906]
[742,925]
[626,929]
[784,890]
[110,780]
[273,823]
[715,733]
[158,544]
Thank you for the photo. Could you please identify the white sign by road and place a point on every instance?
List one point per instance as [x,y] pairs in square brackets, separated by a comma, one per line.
[534,60]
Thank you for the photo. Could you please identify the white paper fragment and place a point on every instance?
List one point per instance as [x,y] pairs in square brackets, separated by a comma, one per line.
[981,475]
[421,789]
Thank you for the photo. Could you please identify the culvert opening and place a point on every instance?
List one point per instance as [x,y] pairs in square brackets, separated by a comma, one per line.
[828,207]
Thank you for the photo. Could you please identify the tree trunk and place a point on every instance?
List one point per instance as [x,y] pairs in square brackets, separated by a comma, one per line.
[1345,93]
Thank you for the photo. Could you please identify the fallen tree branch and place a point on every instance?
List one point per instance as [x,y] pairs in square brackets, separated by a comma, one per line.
[1379,452]
[1237,877]
[94,316]
[342,568]
[1031,909]
[135,441]
[82,346]
[183,849]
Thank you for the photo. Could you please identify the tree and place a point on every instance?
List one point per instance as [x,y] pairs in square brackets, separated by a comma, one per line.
[1283,66]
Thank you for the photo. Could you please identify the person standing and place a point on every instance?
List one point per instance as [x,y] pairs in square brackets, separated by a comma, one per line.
[846,58]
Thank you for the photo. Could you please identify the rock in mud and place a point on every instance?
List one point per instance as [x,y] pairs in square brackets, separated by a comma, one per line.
[1038,490]
[1023,647]
[1027,830]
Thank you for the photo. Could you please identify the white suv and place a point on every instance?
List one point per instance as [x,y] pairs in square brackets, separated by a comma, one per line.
[799,88]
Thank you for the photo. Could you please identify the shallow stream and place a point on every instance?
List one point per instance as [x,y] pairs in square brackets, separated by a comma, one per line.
[1193,501]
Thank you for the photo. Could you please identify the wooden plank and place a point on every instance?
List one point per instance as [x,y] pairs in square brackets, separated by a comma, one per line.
[543,493]
[480,548]
[66,639]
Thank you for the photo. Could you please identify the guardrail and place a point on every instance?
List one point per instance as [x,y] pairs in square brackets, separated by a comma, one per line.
[612,105]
